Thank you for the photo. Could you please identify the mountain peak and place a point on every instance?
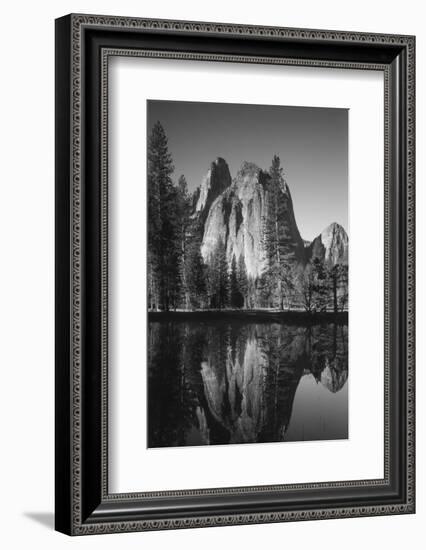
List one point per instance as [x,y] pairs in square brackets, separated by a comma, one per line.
[248,169]
[220,160]
[333,230]
[331,245]
[334,226]
[217,179]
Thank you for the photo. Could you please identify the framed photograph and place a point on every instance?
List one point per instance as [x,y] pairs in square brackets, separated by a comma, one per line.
[234,274]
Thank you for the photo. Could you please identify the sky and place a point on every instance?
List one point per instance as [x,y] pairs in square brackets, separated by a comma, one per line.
[312,144]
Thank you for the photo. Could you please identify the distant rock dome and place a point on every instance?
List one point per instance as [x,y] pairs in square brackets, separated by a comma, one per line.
[331,246]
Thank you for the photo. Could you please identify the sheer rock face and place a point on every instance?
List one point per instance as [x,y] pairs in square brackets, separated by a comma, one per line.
[217,179]
[331,245]
[237,217]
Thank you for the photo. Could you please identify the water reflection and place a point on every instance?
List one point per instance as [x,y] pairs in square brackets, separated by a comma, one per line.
[221,382]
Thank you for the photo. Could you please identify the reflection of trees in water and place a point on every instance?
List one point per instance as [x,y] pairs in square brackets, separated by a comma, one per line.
[328,352]
[286,362]
[220,382]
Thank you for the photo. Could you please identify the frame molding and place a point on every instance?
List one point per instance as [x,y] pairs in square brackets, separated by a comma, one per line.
[83,46]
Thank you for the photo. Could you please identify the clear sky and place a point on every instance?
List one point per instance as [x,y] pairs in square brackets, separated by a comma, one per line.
[312,144]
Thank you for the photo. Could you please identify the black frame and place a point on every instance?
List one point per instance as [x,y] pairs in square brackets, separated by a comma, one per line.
[83,44]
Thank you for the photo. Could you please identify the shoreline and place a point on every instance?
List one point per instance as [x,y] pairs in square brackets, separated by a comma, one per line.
[256,315]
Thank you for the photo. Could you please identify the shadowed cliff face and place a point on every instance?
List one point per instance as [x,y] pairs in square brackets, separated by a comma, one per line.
[217,179]
[237,218]
[220,382]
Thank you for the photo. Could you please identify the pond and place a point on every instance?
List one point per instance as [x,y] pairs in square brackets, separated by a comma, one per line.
[228,381]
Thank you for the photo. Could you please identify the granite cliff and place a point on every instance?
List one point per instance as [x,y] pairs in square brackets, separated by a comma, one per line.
[217,179]
[235,213]
[251,217]
[331,246]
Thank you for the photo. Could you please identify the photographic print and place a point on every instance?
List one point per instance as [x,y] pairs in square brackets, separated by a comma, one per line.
[204,282]
[247,270]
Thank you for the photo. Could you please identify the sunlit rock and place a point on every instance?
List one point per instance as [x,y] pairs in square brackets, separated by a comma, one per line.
[331,245]
[237,217]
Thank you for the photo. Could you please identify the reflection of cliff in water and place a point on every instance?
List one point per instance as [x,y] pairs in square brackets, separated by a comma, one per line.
[234,382]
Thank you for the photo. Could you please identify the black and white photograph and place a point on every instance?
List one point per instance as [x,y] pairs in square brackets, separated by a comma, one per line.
[247,273]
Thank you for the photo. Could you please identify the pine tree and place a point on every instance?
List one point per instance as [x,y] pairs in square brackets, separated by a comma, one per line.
[264,283]
[253,295]
[333,276]
[321,293]
[235,296]
[163,224]
[218,279]
[242,279]
[278,278]
[343,291]
[222,266]
[184,208]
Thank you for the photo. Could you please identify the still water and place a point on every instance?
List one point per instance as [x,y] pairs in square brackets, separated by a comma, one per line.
[232,381]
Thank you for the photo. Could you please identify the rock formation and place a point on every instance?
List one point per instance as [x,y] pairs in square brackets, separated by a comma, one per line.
[237,217]
[217,179]
[235,211]
[331,246]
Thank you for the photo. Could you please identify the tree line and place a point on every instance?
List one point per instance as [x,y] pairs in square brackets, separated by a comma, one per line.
[178,277]
[324,287]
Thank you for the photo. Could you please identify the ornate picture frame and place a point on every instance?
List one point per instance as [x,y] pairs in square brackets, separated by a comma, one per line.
[84,44]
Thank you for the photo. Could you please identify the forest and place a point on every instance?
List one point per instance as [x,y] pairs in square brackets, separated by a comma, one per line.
[180,279]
